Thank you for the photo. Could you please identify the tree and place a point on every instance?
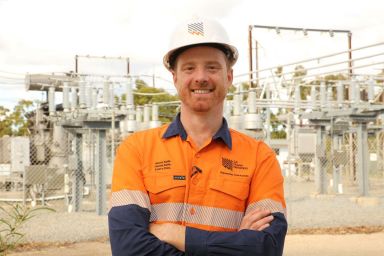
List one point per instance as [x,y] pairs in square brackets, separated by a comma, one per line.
[380,80]
[298,77]
[278,127]
[332,79]
[149,95]
[232,90]
[299,73]
[380,76]
[15,123]
[279,71]
[5,125]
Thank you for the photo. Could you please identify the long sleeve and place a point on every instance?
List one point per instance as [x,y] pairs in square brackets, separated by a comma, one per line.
[128,233]
[130,209]
[266,192]
[269,242]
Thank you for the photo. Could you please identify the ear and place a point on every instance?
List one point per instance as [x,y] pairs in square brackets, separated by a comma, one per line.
[174,76]
[229,77]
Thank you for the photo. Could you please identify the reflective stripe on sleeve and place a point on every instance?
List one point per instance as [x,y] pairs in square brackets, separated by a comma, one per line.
[127,197]
[267,204]
[196,214]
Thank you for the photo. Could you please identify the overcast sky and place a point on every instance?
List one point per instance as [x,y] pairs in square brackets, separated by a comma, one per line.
[43,36]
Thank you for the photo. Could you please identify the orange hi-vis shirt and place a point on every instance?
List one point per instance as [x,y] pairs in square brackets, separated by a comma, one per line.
[210,188]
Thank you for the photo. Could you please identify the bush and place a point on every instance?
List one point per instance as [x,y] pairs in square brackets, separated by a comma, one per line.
[11,220]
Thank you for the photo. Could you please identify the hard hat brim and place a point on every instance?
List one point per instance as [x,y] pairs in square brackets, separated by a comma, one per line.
[230,52]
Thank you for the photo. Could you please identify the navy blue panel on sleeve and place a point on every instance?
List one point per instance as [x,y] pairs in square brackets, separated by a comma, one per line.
[129,235]
[269,242]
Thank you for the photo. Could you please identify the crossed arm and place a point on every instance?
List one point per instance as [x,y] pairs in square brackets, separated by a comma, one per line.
[260,233]
[174,234]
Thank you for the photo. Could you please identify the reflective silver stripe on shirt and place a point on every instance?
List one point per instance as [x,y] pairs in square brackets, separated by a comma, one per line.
[268,204]
[127,197]
[196,214]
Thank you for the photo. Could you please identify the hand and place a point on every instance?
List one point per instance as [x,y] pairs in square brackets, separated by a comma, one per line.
[170,233]
[257,220]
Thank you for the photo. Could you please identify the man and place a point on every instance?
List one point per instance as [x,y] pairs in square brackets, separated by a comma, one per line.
[195,186]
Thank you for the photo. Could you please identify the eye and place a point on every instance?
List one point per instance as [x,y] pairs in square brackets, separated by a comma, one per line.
[188,68]
[212,67]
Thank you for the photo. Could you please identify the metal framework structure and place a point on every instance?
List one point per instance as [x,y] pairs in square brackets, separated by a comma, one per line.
[328,101]
[305,32]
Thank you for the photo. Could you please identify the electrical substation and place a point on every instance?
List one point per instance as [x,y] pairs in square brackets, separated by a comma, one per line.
[330,110]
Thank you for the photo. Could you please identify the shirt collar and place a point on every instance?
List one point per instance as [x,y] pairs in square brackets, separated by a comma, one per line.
[177,128]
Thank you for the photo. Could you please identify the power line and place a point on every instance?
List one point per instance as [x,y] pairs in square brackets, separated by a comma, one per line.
[12,73]
[8,80]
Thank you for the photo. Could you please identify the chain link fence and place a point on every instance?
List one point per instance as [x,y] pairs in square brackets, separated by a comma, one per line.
[67,169]
[335,164]
[70,169]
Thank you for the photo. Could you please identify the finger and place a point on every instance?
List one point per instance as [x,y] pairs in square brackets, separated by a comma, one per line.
[257,215]
[263,227]
[263,221]
[258,224]
[254,224]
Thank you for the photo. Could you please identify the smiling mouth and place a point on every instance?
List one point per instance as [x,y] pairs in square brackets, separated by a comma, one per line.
[200,91]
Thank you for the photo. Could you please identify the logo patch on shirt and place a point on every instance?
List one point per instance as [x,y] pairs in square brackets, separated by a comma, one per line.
[227,163]
[235,168]
[163,165]
[232,164]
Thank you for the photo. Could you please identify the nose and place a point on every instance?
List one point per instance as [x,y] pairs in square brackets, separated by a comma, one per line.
[201,76]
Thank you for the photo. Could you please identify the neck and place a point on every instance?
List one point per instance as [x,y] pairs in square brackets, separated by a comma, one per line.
[201,126]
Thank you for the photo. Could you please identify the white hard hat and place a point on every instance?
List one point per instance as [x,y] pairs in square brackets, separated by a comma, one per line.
[196,32]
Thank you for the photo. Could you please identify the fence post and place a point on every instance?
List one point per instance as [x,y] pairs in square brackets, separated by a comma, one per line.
[78,175]
[362,157]
[320,157]
[100,159]
[336,164]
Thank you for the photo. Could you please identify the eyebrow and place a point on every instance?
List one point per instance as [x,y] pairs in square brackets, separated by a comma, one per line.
[214,62]
[210,62]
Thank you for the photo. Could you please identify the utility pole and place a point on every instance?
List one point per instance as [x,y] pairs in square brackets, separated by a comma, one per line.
[250,56]
[257,62]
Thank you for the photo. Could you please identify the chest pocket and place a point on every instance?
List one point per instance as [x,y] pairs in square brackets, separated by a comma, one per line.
[165,188]
[229,194]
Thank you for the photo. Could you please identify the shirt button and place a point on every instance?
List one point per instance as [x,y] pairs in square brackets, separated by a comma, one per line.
[198,155]
[195,181]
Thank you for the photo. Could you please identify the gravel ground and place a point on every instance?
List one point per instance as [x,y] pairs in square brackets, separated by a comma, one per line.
[308,245]
[334,211]
[304,211]
[65,227]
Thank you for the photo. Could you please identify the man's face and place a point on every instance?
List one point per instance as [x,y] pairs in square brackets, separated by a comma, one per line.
[202,78]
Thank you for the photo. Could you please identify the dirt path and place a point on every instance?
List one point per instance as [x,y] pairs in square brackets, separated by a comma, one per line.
[335,245]
[93,248]
[296,245]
